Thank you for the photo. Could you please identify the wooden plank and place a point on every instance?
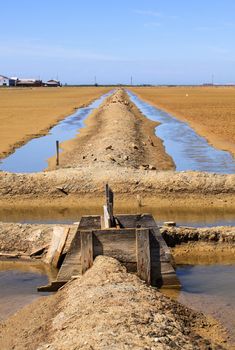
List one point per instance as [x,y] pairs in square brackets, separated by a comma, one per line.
[72,262]
[86,250]
[60,248]
[116,243]
[143,255]
[90,222]
[58,232]
[107,220]
[109,204]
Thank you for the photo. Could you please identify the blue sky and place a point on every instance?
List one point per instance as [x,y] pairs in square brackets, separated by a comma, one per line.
[155,41]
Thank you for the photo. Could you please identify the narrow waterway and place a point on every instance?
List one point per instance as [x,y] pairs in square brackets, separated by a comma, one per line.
[194,217]
[188,150]
[210,289]
[32,157]
[19,282]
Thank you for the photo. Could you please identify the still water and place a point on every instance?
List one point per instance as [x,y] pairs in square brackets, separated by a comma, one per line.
[32,157]
[188,150]
[19,282]
[210,289]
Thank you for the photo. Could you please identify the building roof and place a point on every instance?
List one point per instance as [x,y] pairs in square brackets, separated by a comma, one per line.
[3,77]
[53,81]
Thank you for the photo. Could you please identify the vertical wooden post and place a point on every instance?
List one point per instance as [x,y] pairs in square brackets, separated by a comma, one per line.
[109,204]
[57,153]
[86,250]
[143,254]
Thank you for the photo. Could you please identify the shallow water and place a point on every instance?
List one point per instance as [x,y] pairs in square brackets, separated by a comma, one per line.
[182,216]
[188,150]
[32,157]
[19,282]
[210,289]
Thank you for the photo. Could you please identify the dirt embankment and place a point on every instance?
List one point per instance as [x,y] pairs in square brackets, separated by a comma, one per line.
[116,134]
[191,245]
[29,113]
[118,146]
[108,308]
[24,238]
[68,186]
[209,110]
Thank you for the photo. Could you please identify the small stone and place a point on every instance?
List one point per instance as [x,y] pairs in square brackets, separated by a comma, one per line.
[151,167]
[170,223]
[109,147]
[134,146]
[125,157]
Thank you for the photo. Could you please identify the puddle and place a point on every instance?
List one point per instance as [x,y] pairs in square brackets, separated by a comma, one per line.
[19,282]
[32,157]
[188,150]
[209,289]
[182,216]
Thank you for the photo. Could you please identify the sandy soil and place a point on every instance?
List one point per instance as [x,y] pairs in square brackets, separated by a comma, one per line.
[28,113]
[116,133]
[108,308]
[85,185]
[209,110]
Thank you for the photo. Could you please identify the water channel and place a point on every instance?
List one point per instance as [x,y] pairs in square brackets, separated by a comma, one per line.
[32,157]
[210,289]
[19,282]
[188,150]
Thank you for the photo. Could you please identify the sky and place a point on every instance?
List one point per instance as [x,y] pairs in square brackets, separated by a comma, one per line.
[154,41]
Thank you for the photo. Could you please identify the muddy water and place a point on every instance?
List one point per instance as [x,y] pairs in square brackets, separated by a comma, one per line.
[32,157]
[182,216]
[188,150]
[19,282]
[209,289]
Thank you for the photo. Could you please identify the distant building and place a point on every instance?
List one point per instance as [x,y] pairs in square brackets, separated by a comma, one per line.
[4,81]
[12,81]
[28,82]
[52,83]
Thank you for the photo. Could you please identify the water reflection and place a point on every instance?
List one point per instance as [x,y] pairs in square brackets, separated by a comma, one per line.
[32,157]
[188,150]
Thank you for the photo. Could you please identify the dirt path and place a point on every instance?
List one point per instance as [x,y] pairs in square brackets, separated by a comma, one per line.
[118,146]
[108,308]
[29,113]
[116,133]
[209,110]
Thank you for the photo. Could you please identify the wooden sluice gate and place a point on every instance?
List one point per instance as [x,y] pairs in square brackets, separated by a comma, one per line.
[132,239]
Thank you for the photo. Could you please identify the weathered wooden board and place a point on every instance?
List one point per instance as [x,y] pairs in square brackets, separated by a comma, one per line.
[143,255]
[60,248]
[117,243]
[58,235]
[86,250]
[90,222]
[72,262]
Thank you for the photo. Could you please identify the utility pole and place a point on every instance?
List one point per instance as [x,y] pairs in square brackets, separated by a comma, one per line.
[212,79]
[131,81]
[95,80]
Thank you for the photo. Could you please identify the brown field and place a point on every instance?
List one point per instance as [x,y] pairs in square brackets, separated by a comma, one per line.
[26,113]
[209,110]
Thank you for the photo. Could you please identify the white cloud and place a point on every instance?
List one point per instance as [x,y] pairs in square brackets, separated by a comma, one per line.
[148,13]
[35,49]
[152,24]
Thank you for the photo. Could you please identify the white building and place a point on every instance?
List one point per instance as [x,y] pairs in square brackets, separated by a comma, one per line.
[4,81]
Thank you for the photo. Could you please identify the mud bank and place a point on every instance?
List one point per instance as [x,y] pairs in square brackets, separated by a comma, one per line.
[108,308]
[116,132]
[68,186]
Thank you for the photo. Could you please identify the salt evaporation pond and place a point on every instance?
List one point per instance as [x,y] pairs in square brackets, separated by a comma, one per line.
[32,157]
[188,150]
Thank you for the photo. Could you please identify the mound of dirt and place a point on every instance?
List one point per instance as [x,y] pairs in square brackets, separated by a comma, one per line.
[107,308]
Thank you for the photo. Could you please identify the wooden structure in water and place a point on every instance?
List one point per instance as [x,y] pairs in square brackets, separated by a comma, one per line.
[133,239]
